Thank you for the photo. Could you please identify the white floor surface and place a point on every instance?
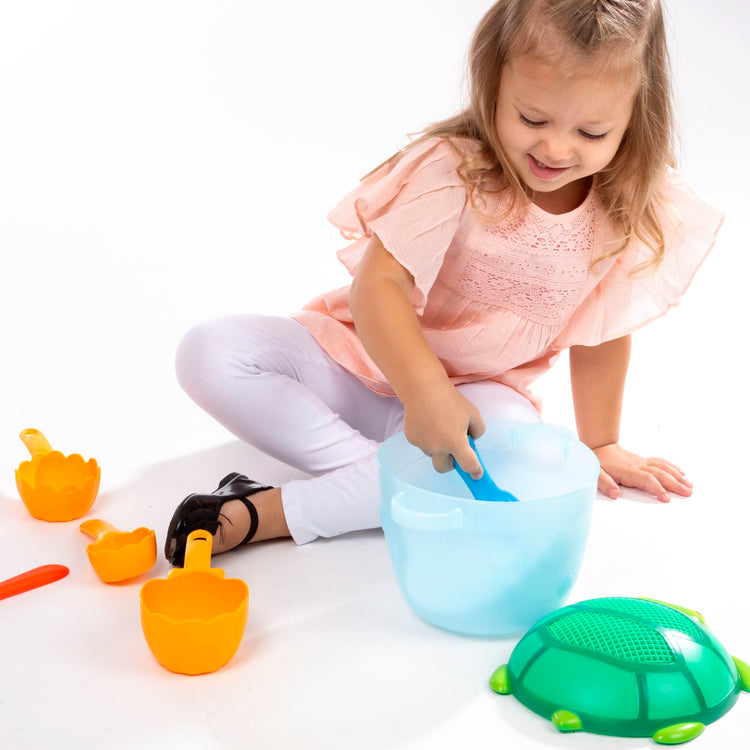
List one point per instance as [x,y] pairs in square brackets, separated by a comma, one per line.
[165,161]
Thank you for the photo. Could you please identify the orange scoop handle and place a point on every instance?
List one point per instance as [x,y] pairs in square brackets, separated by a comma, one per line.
[96,528]
[198,551]
[35,441]
[32,579]
[198,556]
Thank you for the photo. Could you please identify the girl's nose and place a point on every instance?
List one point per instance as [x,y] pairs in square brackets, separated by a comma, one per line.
[556,149]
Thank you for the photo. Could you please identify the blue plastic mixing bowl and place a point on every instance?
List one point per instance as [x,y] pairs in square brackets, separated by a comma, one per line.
[485,568]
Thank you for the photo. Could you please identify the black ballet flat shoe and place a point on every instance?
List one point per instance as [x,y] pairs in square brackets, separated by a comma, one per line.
[203,512]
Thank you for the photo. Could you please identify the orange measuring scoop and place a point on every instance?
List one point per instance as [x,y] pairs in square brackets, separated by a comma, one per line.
[194,619]
[119,555]
[53,486]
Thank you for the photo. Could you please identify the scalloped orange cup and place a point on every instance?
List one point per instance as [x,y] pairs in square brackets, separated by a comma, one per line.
[118,555]
[53,486]
[194,619]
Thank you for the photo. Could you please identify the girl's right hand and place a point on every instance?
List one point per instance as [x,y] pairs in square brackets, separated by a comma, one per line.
[438,421]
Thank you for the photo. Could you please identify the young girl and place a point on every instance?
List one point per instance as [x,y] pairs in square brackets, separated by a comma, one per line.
[545,216]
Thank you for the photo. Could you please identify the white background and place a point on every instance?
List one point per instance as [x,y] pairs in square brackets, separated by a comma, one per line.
[162,162]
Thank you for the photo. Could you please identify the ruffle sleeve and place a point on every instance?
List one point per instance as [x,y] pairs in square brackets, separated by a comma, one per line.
[414,207]
[619,304]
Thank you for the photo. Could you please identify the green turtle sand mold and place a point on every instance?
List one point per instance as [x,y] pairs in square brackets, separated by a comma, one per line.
[624,667]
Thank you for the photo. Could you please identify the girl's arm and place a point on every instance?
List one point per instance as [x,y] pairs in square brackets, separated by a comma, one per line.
[597,376]
[437,418]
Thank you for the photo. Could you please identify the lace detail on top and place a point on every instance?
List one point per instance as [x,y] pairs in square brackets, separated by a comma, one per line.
[536,265]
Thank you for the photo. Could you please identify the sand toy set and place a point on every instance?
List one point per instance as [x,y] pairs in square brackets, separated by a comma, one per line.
[470,556]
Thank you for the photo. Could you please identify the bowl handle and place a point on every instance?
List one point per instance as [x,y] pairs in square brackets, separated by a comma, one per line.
[413,519]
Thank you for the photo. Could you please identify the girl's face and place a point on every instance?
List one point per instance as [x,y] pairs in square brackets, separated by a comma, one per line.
[557,130]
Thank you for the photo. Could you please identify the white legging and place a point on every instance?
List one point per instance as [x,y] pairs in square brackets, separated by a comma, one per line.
[268,381]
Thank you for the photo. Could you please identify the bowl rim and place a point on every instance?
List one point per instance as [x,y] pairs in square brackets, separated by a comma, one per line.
[399,439]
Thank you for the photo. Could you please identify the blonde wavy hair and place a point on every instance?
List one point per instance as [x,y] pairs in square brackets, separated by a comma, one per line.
[577,36]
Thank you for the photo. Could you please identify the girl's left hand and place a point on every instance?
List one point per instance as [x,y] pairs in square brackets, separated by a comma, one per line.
[653,475]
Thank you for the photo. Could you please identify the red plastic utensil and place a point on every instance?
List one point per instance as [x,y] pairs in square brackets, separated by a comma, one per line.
[32,579]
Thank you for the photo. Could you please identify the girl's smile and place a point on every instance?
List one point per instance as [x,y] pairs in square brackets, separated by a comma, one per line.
[544,171]
[559,129]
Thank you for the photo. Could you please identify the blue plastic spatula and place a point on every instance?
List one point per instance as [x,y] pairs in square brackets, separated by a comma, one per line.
[483,488]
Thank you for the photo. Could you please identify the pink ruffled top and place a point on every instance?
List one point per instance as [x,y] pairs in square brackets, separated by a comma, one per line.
[499,301]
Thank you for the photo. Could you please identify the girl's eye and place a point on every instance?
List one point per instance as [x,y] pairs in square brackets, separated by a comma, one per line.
[591,136]
[539,123]
[530,123]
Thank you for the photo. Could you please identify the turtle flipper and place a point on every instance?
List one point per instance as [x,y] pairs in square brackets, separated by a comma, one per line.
[744,671]
[679,733]
[566,721]
[500,680]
